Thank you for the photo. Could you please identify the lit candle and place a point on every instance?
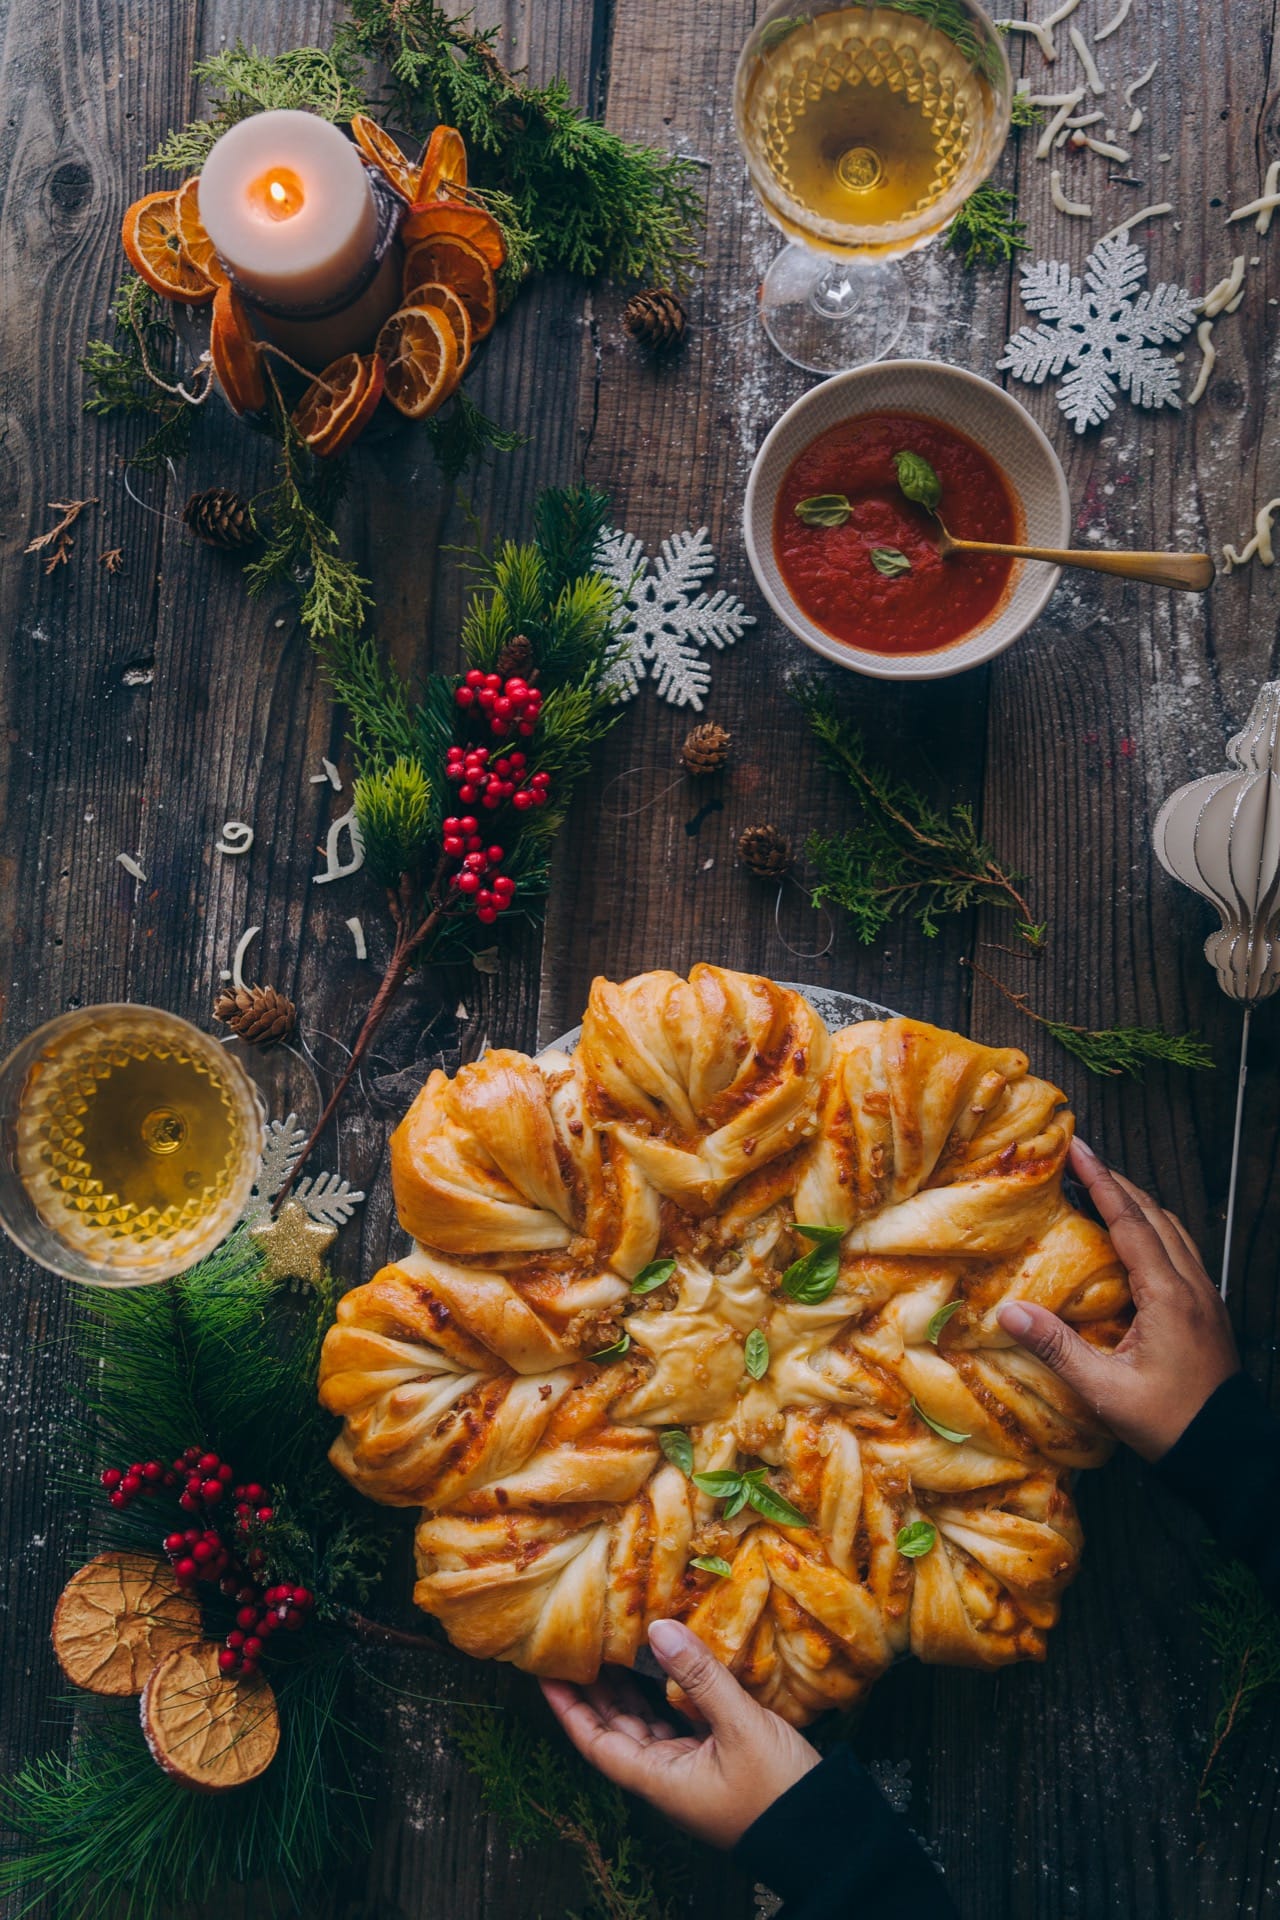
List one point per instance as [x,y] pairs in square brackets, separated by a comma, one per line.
[290,208]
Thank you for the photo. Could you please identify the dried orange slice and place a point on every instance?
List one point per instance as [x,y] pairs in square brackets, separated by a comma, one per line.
[117,1617]
[434,293]
[336,408]
[196,244]
[384,153]
[205,1729]
[237,357]
[420,351]
[471,223]
[463,267]
[444,164]
[154,249]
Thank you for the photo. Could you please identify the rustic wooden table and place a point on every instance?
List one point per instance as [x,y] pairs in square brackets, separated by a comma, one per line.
[143,709]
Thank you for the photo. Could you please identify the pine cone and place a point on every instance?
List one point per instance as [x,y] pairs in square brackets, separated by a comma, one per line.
[259,1015]
[516,657]
[656,319]
[221,519]
[706,749]
[765,852]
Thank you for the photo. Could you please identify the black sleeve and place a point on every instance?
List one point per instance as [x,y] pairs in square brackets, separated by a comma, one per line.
[833,1847]
[1227,1464]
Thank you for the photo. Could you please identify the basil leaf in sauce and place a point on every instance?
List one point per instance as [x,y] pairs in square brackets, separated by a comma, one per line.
[615,1352]
[915,1541]
[823,510]
[941,1318]
[678,1448]
[917,479]
[655,1275]
[956,1438]
[771,1506]
[755,1354]
[711,1563]
[889,562]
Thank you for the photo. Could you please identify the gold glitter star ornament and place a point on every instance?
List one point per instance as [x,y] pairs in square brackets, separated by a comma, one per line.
[293,1245]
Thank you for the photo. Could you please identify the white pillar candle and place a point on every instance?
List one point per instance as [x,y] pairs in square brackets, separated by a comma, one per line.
[288,204]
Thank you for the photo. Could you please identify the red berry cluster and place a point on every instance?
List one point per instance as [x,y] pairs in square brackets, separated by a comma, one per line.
[476,779]
[477,863]
[509,706]
[201,1553]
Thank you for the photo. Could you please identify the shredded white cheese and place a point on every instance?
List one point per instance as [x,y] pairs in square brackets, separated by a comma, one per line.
[237,837]
[1105,148]
[1070,101]
[1064,12]
[357,935]
[1134,86]
[1113,25]
[1218,298]
[1037,33]
[1233,304]
[1260,543]
[1061,202]
[1083,120]
[1136,219]
[1096,82]
[247,939]
[1266,205]
[131,866]
[335,868]
[1209,354]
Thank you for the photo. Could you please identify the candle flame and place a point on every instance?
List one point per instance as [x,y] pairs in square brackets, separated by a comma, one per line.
[278,194]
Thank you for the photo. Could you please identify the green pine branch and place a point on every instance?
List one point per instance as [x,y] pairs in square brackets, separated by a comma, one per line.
[132,375]
[1242,1628]
[1111,1051]
[541,1793]
[902,856]
[242,81]
[986,232]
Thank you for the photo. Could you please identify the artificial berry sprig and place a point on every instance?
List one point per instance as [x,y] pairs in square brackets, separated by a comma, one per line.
[490,783]
[202,1553]
[508,706]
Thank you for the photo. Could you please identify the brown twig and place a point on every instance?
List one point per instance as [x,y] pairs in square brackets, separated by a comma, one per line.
[112,559]
[403,902]
[1019,1000]
[59,536]
[375,1633]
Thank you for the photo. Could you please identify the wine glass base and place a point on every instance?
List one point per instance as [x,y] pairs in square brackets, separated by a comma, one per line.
[828,316]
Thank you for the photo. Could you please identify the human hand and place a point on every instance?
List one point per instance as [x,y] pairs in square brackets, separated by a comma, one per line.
[1180,1346]
[713,1783]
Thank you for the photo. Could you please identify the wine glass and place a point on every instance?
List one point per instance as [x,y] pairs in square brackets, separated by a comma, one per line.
[865,128]
[129,1144]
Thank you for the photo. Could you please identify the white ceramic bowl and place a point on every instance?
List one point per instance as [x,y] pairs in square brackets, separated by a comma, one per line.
[1000,427]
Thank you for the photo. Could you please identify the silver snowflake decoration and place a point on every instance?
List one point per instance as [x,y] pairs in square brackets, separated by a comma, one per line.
[665,620]
[326,1199]
[1104,330]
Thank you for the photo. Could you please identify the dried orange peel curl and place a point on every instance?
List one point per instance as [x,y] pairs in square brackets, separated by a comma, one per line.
[420,350]
[153,246]
[338,406]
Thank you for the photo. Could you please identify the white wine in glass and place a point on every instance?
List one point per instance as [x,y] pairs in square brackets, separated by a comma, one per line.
[129,1143]
[865,128]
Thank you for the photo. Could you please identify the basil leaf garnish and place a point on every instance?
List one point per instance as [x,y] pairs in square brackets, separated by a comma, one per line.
[755,1354]
[711,1563]
[823,510]
[772,1506]
[719,1483]
[941,1318]
[917,479]
[820,1234]
[736,1502]
[812,1279]
[956,1438]
[655,1275]
[615,1352]
[889,562]
[678,1448]
[915,1541]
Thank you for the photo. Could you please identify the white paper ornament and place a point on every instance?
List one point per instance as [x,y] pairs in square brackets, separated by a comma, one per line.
[1220,835]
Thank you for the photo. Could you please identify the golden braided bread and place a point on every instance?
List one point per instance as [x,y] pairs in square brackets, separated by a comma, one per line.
[696,1123]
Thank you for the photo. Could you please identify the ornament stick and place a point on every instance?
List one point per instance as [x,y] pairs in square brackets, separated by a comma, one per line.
[1221,836]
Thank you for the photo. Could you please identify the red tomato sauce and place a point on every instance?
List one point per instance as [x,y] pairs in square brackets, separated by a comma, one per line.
[829,570]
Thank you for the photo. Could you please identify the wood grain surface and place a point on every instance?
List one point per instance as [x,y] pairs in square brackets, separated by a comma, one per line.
[142,710]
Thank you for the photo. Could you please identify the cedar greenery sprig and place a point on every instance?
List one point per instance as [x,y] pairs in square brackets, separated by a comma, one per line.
[548,591]
[1111,1051]
[903,855]
[986,231]
[1243,1630]
[217,1358]
[542,1793]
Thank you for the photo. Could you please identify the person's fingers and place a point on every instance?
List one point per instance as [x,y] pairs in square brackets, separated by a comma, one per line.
[710,1687]
[1193,1260]
[1173,1241]
[620,1708]
[1091,1373]
[618,1757]
[1133,1235]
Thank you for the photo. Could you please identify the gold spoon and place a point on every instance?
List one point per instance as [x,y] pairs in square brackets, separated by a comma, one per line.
[1191,571]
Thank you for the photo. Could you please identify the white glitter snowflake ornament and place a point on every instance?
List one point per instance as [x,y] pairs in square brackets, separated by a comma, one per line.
[665,620]
[1108,337]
